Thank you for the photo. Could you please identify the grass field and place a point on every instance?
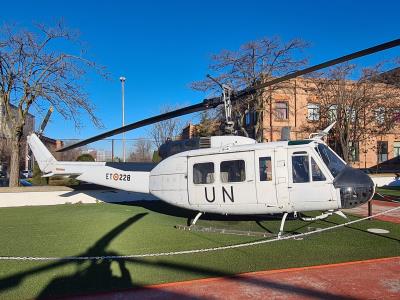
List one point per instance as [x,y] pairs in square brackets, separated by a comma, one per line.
[148,227]
[390,191]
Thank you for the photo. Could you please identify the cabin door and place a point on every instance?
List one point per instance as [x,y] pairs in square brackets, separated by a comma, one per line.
[265,177]
[222,179]
[310,188]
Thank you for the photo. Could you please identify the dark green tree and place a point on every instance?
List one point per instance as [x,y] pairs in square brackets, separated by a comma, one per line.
[85,157]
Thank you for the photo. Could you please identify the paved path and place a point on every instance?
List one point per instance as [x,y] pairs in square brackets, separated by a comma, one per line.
[370,279]
[377,207]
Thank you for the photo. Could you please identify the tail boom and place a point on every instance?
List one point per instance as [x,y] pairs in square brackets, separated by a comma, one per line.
[93,172]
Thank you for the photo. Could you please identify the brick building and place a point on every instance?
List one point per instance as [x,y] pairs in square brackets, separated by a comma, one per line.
[295,111]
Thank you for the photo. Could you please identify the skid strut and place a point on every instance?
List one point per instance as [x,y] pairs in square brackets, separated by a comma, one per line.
[282,225]
[193,222]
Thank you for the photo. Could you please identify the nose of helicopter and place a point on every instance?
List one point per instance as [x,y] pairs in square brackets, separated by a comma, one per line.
[356,187]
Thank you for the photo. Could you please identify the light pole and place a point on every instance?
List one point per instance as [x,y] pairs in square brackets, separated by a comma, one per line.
[122,79]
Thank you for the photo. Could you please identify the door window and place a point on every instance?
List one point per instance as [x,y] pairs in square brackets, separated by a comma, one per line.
[300,168]
[265,168]
[203,173]
[233,171]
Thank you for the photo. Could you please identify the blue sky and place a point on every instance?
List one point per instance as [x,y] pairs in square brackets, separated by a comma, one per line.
[160,47]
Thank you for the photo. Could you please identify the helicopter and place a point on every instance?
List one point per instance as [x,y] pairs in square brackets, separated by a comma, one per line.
[230,174]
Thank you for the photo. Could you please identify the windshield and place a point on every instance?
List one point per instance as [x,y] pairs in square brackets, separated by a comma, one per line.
[334,164]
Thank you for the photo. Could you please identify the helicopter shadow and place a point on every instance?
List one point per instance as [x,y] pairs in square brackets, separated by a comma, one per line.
[164,208]
[86,278]
[110,195]
[95,276]
[90,276]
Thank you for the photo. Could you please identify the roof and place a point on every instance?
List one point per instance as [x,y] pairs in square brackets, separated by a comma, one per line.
[15,108]
[47,139]
[389,77]
[247,147]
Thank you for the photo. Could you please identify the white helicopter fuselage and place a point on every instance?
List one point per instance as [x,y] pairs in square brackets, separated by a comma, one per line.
[243,178]
[235,175]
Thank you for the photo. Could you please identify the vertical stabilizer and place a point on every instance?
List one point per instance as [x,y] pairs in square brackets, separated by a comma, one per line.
[44,158]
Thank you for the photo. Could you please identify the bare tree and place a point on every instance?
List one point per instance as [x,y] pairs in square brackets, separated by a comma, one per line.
[141,151]
[363,108]
[253,63]
[208,125]
[35,71]
[5,151]
[70,155]
[164,130]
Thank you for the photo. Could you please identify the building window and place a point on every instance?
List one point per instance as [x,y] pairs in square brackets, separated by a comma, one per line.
[250,118]
[313,112]
[332,113]
[396,149]
[351,114]
[203,173]
[247,118]
[233,171]
[282,110]
[380,115]
[354,151]
[382,151]
[396,115]
[265,168]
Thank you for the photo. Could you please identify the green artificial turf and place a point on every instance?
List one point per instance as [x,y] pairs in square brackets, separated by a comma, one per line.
[148,227]
[390,191]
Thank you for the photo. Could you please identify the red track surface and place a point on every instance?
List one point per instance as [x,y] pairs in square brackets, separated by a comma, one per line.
[370,279]
[377,207]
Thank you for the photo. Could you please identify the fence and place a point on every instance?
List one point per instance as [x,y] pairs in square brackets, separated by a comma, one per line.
[138,149]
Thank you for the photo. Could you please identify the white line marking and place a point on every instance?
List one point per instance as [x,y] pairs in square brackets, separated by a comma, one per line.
[248,244]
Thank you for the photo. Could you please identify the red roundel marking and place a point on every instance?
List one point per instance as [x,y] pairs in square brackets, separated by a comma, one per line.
[115,176]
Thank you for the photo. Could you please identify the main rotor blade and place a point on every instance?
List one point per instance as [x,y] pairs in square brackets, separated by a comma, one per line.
[214,102]
[208,103]
[323,65]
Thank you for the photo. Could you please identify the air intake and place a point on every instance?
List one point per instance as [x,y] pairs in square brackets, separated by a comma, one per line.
[205,142]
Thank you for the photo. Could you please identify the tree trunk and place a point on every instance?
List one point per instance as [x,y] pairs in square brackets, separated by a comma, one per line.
[345,152]
[14,162]
[16,136]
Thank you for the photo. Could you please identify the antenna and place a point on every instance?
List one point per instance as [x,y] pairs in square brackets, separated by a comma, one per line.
[320,135]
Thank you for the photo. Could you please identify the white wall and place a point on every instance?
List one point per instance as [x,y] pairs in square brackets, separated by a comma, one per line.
[69,197]
[385,180]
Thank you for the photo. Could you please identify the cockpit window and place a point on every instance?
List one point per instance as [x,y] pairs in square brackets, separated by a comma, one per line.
[300,168]
[317,174]
[334,164]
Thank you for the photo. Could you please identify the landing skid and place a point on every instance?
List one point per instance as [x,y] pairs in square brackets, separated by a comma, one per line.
[323,216]
[198,228]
